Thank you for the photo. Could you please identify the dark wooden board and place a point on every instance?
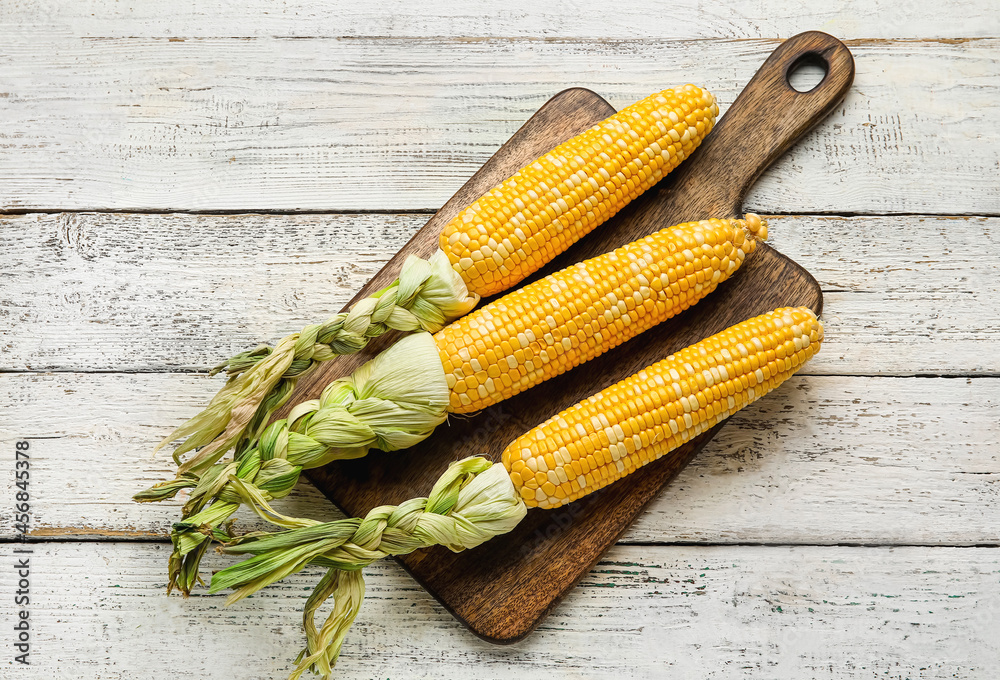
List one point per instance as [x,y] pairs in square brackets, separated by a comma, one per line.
[502,589]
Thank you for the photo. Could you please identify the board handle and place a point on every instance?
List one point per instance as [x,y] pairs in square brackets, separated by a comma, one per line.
[767,118]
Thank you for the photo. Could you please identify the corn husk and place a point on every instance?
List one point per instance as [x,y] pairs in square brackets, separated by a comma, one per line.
[472,502]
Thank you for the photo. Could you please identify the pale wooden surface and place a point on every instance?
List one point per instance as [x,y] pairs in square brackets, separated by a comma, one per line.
[314,124]
[846,526]
[679,612]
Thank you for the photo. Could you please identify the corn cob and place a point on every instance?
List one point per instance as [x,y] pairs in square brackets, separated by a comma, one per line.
[516,228]
[496,242]
[528,336]
[656,410]
[565,319]
[662,407]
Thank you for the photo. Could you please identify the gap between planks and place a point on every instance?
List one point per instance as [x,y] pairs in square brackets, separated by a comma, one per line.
[72,535]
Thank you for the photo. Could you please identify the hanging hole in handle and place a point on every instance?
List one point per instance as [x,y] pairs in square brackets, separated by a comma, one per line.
[807,72]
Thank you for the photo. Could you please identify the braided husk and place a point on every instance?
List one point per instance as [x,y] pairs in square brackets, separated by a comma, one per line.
[472,502]
[390,403]
[427,296]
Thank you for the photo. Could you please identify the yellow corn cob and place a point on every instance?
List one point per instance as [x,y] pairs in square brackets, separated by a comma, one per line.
[637,420]
[574,315]
[521,224]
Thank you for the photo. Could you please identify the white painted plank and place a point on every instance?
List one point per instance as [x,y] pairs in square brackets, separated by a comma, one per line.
[844,460]
[644,612]
[116,292]
[400,124]
[105,291]
[682,19]
[91,438]
[822,460]
[902,295]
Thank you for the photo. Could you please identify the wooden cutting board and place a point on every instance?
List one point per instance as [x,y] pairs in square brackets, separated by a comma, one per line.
[502,589]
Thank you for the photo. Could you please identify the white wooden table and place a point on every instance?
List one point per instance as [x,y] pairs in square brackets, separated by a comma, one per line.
[180,181]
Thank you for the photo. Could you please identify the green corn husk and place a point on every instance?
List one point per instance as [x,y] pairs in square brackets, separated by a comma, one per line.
[428,295]
[164,490]
[391,402]
[472,502]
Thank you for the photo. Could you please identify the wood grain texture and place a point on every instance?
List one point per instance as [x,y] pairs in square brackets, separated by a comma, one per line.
[399,124]
[824,460]
[502,589]
[101,109]
[686,19]
[785,613]
[903,295]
